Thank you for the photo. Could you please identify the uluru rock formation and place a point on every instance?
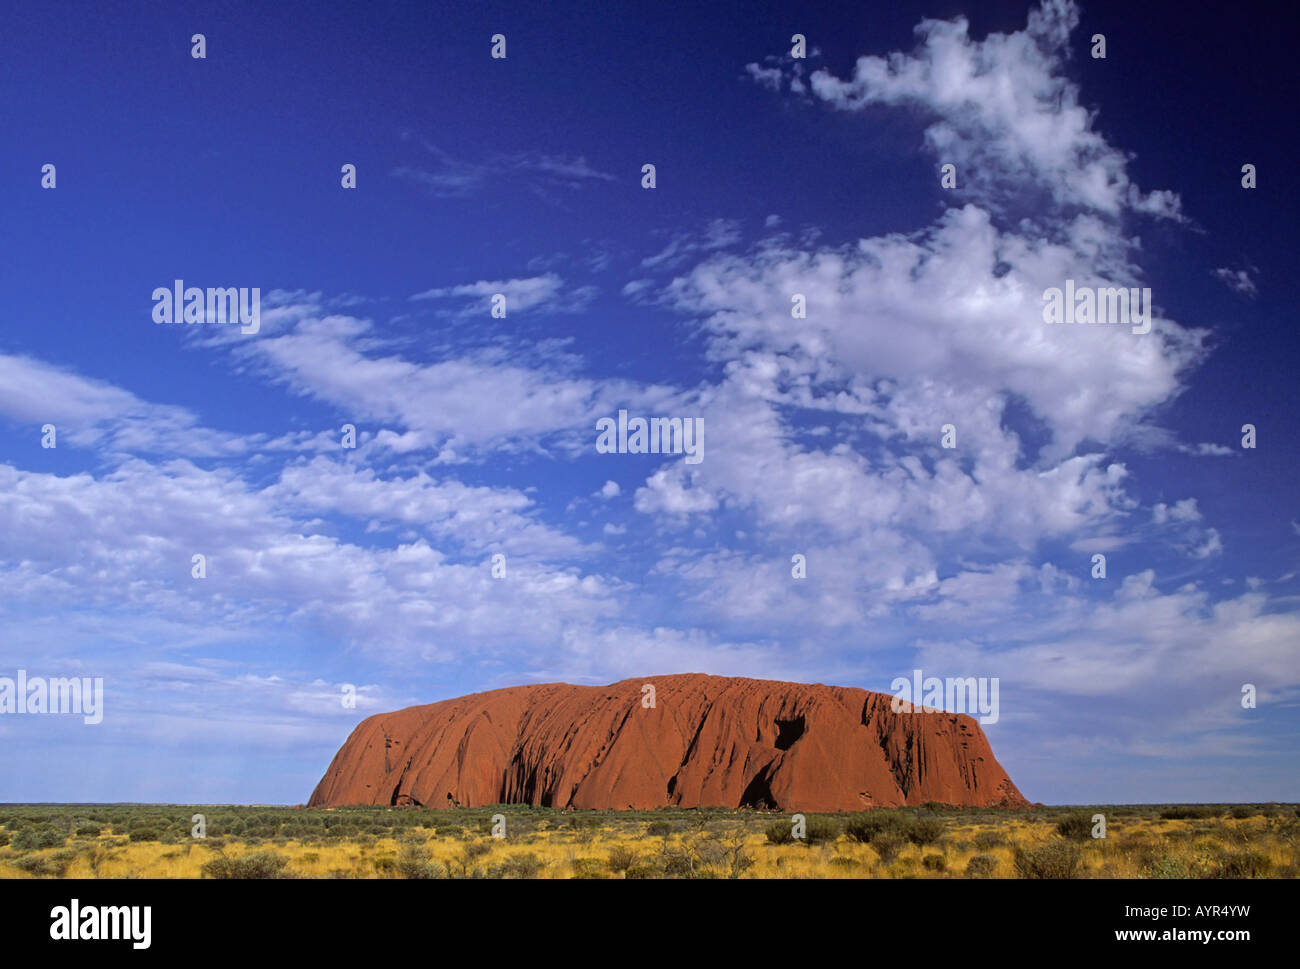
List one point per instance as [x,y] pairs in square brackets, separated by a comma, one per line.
[714,741]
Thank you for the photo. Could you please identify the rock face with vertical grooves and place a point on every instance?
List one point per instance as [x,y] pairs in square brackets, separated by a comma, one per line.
[708,741]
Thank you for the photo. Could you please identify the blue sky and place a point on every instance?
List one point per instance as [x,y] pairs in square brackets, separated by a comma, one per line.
[371,566]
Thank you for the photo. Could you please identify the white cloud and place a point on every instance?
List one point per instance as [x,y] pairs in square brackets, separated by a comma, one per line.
[1238,280]
[544,293]
[718,234]
[1181,511]
[1004,111]
[123,543]
[1212,545]
[92,413]
[502,397]
[453,177]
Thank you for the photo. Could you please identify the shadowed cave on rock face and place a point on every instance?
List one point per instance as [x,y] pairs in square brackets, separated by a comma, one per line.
[788,731]
[759,793]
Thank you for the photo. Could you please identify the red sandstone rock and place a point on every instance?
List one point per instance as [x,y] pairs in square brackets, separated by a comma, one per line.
[708,741]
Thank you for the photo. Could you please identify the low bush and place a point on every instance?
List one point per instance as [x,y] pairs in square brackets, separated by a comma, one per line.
[588,868]
[526,865]
[1184,812]
[984,840]
[819,830]
[888,845]
[1241,864]
[862,828]
[981,866]
[1056,859]
[621,858]
[39,836]
[1076,826]
[258,864]
[925,831]
[779,833]
[413,862]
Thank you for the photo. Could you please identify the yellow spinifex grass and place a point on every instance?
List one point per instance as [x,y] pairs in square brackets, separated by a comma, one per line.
[1134,847]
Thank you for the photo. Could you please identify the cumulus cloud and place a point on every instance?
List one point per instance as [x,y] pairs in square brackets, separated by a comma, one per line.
[1180,511]
[1003,111]
[126,539]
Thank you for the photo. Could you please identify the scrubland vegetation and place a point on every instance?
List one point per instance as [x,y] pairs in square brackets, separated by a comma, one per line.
[935,841]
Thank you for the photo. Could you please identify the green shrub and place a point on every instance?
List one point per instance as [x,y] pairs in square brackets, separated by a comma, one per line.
[4,838]
[1241,864]
[820,830]
[1183,812]
[413,862]
[925,831]
[464,867]
[526,865]
[779,833]
[1240,811]
[1076,826]
[1158,865]
[144,834]
[658,829]
[984,840]
[588,868]
[862,828]
[39,836]
[935,862]
[887,845]
[981,866]
[60,861]
[621,858]
[37,865]
[258,864]
[1056,859]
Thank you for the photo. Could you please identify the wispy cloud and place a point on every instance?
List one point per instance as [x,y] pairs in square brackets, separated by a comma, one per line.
[1238,280]
[452,177]
[541,293]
